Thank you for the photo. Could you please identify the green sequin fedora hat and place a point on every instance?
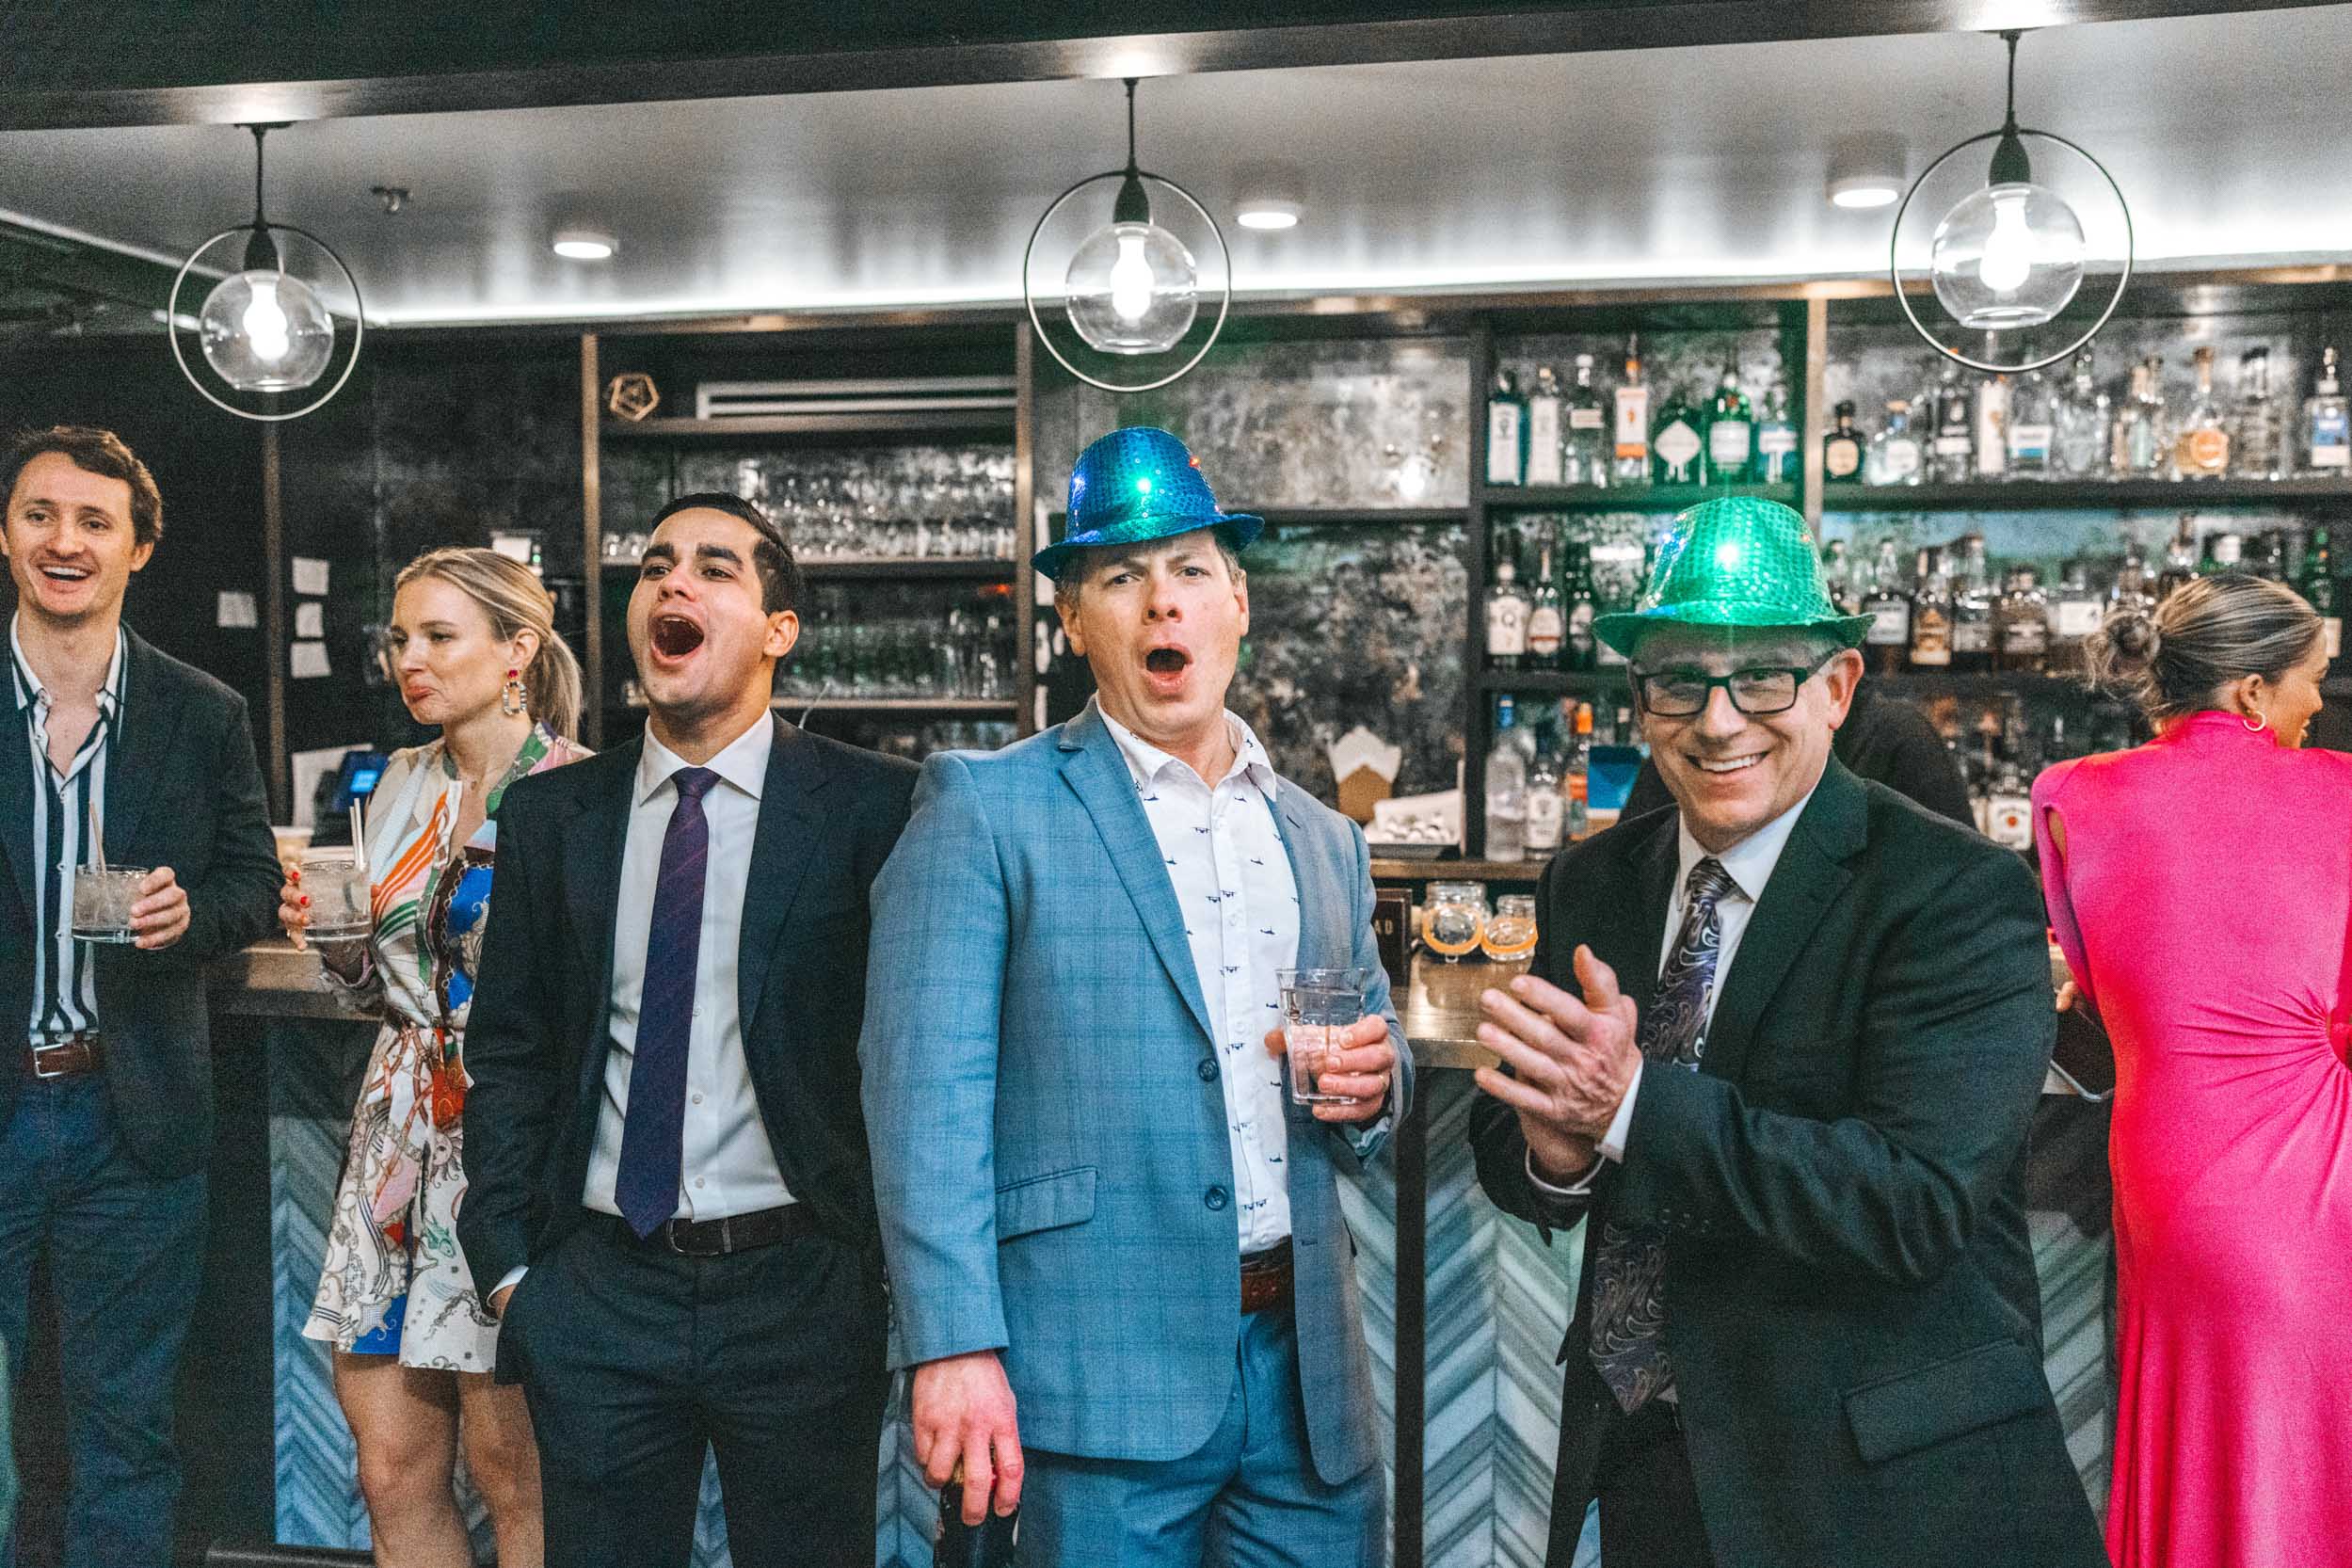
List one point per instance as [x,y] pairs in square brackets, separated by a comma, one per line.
[1135,484]
[1740,563]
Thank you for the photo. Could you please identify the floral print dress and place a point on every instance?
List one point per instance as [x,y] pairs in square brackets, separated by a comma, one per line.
[395,1281]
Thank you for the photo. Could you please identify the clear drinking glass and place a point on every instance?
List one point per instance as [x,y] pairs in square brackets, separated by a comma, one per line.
[103,900]
[338,890]
[1318,1005]
[1510,934]
[1457,919]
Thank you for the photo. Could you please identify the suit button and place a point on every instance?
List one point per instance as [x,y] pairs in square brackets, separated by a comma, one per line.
[1207,1069]
[1216,1198]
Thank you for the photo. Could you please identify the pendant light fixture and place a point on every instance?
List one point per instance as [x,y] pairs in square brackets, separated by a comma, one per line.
[2011,255]
[263,331]
[1131,288]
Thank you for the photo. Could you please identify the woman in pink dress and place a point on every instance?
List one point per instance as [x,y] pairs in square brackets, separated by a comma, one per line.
[2202,887]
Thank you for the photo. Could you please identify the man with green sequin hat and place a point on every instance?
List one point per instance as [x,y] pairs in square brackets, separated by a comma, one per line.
[1782,1045]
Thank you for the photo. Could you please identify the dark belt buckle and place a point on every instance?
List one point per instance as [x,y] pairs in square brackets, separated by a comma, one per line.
[61,1048]
[675,1232]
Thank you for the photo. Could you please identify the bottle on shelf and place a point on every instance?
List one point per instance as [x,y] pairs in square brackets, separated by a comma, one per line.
[2031,427]
[1506,432]
[2317,584]
[1576,782]
[2180,557]
[1506,608]
[1992,427]
[1506,788]
[2270,556]
[1888,604]
[2075,611]
[2021,624]
[1837,571]
[1731,432]
[2255,449]
[1547,624]
[1578,652]
[1584,454]
[2079,444]
[1895,456]
[1931,614]
[1546,813]
[2229,553]
[1544,428]
[1841,449]
[1955,435]
[2131,582]
[1617,594]
[1972,635]
[2139,446]
[2200,446]
[1677,455]
[1776,440]
[2326,425]
[1630,461]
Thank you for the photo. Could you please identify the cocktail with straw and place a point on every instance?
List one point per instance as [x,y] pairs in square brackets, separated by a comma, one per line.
[341,907]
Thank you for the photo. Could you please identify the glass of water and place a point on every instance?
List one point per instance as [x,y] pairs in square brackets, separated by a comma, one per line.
[1318,1006]
[338,889]
[102,897]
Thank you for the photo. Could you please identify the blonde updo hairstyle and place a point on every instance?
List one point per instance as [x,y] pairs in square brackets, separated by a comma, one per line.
[511,595]
[2209,634]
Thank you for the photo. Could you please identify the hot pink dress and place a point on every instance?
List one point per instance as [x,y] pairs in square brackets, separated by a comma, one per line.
[2202,904]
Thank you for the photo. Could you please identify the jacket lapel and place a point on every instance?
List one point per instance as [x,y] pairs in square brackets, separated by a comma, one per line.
[1093,768]
[1811,872]
[1628,919]
[136,751]
[593,840]
[780,848]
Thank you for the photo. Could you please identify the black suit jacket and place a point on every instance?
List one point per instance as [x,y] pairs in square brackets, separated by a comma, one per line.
[183,790]
[537,1037]
[1849,1290]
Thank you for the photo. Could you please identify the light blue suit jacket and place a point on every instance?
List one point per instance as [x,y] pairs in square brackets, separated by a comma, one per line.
[1052,1163]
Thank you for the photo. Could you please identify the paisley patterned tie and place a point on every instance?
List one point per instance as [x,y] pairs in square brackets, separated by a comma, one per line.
[1628,1306]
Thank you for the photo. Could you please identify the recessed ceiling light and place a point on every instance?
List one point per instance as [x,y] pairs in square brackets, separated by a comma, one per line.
[1863,193]
[1269,196]
[582,244]
[1270,213]
[1866,173]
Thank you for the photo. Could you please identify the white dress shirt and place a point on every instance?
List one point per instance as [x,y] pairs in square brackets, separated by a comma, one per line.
[1232,879]
[728,1167]
[1749,864]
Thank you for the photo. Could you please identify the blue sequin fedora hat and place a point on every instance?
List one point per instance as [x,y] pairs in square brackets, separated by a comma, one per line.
[1140,484]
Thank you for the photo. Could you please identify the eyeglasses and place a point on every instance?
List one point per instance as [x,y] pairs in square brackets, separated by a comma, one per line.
[1758,690]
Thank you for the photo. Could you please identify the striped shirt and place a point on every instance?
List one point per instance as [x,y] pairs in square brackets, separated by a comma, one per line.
[65,980]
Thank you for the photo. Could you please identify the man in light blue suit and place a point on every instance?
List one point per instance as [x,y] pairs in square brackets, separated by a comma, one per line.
[1118,1265]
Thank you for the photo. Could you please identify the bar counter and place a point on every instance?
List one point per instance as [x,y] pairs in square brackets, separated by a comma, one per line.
[1464,1363]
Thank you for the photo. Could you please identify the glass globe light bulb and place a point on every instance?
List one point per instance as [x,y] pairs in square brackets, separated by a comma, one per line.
[265,331]
[2008,259]
[2010,255]
[1131,288]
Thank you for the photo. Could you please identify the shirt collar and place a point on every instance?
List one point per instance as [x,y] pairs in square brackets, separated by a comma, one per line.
[1748,863]
[743,763]
[1147,761]
[29,689]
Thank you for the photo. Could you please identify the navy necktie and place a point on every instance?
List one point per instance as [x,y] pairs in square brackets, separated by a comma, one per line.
[1628,1280]
[653,1133]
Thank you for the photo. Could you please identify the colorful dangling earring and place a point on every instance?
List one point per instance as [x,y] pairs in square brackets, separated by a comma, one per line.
[512,704]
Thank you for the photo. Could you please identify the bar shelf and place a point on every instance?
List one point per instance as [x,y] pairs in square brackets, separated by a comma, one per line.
[1629,498]
[2088,495]
[889,422]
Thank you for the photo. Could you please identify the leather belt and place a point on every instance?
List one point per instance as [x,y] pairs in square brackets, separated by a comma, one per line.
[66,1055]
[733,1234]
[1266,1279]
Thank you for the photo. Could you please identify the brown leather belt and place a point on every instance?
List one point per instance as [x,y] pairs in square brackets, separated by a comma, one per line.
[717,1237]
[1266,1279]
[66,1055]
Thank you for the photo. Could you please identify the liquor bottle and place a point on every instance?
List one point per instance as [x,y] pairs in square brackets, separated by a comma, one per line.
[1992,427]
[1887,644]
[2075,611]
[2031,427]
[1776,440]
[2255,449]
[1931,614]
[1506,609]
[1677,455]
[2140,448]
[1506,788]
[1895,455]
[1630,464]
[1584,458]
[2180,557]
[1841,449]
[2270,556]
[1731,433]
[1577,653]
[1576,781]
[1543,428]
[1506,432]
[1837,572]
[1547,624]
[2079,441]
[1546,803]
[2229,553]
[1955,451]
[2131,583]
[2008,807]
[2326,425]
[1972,635]
[2200,447]
[2022,623]
[2317,585]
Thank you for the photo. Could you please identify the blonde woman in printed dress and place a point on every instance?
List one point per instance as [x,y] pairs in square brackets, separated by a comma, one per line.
[474,648]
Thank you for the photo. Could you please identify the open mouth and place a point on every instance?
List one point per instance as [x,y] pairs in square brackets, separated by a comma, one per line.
[675,636]
[66,574]
[1721,766]
[1167,661]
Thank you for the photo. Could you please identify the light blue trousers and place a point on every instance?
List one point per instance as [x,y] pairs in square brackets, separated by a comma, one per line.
[1249,1497]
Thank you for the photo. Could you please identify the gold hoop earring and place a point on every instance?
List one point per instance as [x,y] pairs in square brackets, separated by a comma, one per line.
[2259,724]
[512,703]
